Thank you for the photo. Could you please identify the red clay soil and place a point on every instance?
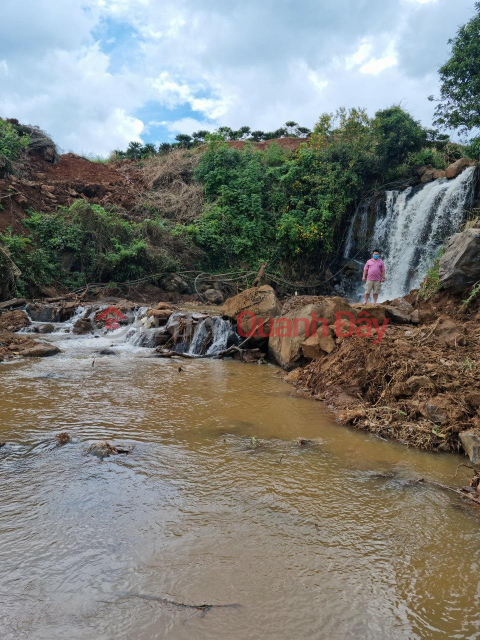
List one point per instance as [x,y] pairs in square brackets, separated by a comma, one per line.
[420,385]
[42,186]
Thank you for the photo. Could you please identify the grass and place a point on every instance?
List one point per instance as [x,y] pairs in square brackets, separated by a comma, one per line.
[473,295]
[431,284]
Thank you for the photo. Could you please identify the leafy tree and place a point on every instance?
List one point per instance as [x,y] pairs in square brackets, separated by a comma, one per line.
[398,135]
[164,148]
[225,132]
[459,103]
[184,140]
[303,132]
[148,150]
[199,136]
[291,128]
[244,132]
[257,136]
[134,151]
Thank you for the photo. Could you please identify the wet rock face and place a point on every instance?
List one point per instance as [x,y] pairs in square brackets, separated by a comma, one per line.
[43,312]
[460,264]
[82,326]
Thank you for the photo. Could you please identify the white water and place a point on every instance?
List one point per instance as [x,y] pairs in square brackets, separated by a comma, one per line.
[220,330]
[414,226]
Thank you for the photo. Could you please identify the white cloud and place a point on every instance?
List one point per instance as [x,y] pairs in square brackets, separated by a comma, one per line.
[240,62]
[376,65]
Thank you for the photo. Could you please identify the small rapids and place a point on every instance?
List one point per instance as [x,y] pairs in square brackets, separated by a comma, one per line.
[215,330]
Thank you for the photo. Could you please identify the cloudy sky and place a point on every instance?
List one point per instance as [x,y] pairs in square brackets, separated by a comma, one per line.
[96,74]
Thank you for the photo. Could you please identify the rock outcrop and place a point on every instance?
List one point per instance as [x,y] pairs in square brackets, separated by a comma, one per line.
[457,167]
[460,264]
[260,302]
[295,329]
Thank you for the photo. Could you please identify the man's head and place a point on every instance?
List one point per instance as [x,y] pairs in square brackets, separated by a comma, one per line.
[375,254]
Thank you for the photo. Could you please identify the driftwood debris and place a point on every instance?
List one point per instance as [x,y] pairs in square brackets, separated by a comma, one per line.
[259,275]
[204,608]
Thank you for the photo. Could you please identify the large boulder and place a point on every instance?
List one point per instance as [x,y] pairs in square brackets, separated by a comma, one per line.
[460,264]
[40,312]
[457,167]
[174,283]
[214,296]
[258,303]
[293,330]
[40,350]
[399,311]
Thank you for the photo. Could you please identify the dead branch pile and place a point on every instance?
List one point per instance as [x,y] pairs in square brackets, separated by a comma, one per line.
[171,188]
[411,387]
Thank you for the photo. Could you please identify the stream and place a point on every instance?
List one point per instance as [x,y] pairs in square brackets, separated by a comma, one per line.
[217,504]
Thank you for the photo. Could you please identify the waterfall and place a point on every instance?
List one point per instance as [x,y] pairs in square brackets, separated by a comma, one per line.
[409,231]
[215,330]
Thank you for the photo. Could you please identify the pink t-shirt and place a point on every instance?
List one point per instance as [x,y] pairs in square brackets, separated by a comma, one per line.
[375,269]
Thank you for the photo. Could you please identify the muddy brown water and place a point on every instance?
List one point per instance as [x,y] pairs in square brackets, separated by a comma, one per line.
[310,541]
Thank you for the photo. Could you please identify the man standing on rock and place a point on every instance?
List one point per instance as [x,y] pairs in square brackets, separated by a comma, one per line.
[373,275]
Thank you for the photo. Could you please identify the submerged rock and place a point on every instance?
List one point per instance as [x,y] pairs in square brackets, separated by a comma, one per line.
[62,438]
[105,450]
[40,350]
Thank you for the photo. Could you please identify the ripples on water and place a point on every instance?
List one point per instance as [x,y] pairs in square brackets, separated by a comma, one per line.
[314,546]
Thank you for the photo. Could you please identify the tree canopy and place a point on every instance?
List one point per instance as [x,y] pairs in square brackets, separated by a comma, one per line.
[459,103]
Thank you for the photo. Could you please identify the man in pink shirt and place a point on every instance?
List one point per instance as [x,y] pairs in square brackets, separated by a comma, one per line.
[373,275]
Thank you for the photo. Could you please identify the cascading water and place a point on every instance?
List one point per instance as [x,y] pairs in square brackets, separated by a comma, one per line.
[413,226]
[216,329]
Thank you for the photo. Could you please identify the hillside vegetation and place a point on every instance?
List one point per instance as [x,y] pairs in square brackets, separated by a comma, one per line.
[219,206]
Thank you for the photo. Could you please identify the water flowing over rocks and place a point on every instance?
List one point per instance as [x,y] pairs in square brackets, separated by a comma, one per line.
[409,227]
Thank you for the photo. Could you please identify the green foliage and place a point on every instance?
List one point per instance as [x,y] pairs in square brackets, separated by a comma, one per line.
[473,149]
[85,243]
[428,156]
[431,284]
[459,103]
[11,143]
[398,135]
[474,294]
[290,207]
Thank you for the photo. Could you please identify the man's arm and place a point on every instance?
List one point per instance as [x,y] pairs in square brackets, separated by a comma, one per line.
[365,273]
[383,271]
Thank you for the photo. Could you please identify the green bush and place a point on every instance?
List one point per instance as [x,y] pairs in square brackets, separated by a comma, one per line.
[11,143]
[85,243]
[431,284]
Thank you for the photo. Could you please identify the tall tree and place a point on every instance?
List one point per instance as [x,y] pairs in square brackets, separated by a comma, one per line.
[459,103]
